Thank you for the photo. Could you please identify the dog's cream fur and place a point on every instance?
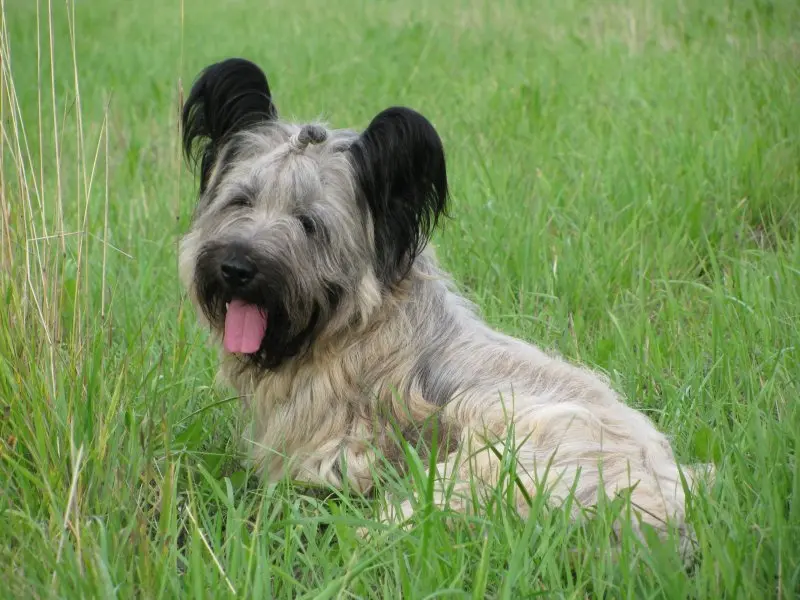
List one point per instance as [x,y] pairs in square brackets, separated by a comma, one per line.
[572,432]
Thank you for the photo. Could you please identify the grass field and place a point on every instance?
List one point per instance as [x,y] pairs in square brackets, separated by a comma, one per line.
[626,191]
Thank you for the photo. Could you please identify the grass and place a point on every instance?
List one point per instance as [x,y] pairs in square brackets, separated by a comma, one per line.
[626,191]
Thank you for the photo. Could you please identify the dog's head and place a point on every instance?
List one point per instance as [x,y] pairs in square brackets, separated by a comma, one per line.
[298,228]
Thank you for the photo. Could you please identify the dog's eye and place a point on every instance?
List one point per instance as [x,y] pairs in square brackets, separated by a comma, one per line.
[307,223]
[240,202]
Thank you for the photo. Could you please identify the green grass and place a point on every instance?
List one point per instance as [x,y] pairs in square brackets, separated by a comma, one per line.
[626,191]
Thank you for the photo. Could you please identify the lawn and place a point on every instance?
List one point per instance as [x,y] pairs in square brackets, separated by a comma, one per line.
[626,191]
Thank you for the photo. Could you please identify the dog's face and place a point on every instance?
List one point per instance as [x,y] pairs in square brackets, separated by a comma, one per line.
[297,228]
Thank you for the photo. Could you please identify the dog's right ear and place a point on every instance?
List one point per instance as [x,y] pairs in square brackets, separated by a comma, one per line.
[226,98]
[401,176]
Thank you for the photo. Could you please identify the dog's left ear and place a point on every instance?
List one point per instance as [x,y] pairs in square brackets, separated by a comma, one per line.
[226,98]
[401,175]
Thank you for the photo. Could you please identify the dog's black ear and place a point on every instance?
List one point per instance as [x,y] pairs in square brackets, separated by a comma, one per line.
[401,175]
[227,97]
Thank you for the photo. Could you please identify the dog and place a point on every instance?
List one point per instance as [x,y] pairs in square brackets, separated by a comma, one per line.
[308,261]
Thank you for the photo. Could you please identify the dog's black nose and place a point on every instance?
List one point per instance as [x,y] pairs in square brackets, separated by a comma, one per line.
[237,272]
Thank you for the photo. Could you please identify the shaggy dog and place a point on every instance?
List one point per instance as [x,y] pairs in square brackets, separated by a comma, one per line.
[307,259]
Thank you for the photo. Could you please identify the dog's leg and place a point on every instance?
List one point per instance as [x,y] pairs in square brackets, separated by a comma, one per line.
[582,451]
[567,451]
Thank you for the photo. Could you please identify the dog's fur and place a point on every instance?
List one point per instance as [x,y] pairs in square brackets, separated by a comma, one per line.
[366,336]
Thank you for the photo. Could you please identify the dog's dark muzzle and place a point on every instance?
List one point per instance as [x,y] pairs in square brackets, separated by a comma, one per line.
[227,271]
[234,271]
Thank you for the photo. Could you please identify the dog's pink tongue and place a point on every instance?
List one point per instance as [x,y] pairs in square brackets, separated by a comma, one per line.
[245,325]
